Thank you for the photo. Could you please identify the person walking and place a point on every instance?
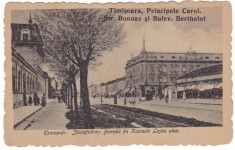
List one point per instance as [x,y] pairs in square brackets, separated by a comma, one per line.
[25,99]
[115,99]
[35,99]
[43,100]
[166,98]
[125,101]
[30,101]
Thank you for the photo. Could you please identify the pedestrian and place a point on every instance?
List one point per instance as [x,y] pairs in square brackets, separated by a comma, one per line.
[35,99]
[25,99]
[43,100]
[38,101]
[115,99]
[125,101]
[166,97]
[30,101]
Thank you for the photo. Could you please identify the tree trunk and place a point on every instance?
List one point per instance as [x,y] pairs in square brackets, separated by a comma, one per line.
[71,98]
[68,96]
[75,95]
[88,122]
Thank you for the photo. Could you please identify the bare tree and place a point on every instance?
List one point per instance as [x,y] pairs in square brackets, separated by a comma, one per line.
[84,34]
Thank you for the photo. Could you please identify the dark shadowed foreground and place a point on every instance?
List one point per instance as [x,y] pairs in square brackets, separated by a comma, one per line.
[111,116]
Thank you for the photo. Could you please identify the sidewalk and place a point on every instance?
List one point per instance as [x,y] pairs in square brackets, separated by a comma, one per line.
[22,113]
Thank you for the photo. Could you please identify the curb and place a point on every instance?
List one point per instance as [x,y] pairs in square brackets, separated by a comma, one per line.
[17,124]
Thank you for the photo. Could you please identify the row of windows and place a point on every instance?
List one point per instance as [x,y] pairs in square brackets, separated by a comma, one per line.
[164,77]
[162,67]
[173,57]
[21,83]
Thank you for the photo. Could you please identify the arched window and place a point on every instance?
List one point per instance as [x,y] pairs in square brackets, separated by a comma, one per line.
[25,35]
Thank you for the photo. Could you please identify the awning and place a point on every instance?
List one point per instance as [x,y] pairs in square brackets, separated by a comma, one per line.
[170,88]
[207,87]
[126,90]
[113,92]
[180,88]
[199,86]
[220,85]
[131,90]
[191,87]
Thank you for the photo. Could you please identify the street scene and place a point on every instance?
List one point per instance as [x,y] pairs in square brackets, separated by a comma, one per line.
[76,69]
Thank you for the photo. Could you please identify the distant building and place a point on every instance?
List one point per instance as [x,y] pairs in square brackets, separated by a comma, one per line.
[108,89]
[149,73]
[94,90]
[115,87]
[203,83]
[27,62]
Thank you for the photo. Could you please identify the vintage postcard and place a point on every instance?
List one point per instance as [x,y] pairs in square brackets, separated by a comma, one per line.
[118,74]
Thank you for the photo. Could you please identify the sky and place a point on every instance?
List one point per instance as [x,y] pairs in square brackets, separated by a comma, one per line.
[159,36]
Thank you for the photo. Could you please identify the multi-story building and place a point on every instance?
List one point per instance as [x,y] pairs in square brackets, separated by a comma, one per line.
[28,76]
[108,89]
[149,73]
[115,87]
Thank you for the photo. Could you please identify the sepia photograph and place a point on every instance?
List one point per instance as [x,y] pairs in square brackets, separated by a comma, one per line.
[122,74]
[95,68]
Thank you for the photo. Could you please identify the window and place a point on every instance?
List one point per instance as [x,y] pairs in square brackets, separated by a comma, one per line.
[25,35]
[206,57]
[164,68]
[162,57]
[164,79]
[14,79]
[142,77]
[217,57]
[28,84]
[173,57]
[151,78]
[24,82]
[33,86]
[19,81]
[151,69]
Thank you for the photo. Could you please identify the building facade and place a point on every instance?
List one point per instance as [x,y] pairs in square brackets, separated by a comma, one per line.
[28,76]
[203,83]
[149,73]
[108,89]
[115,87]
